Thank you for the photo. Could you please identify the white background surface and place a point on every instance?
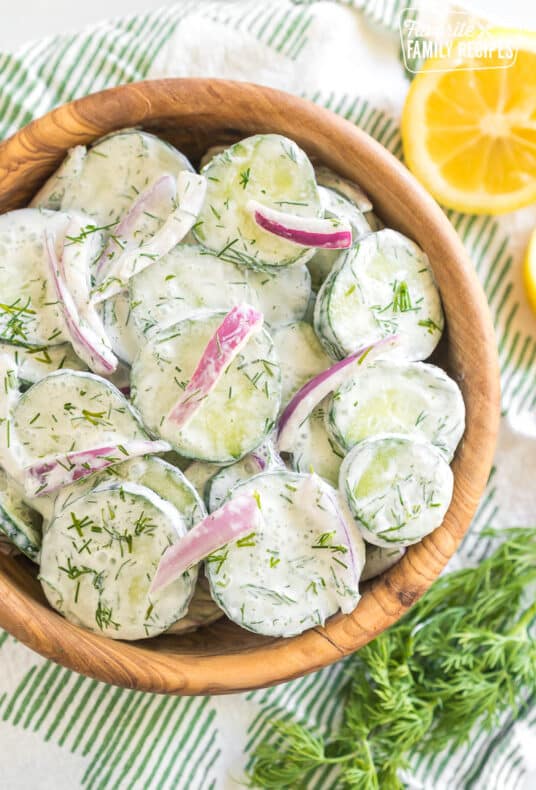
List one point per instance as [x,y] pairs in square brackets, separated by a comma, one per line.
[28,20]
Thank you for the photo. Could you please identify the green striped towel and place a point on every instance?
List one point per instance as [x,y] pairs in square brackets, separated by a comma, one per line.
[60,731]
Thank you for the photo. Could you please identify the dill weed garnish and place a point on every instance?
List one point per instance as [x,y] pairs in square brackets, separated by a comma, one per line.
[461,657]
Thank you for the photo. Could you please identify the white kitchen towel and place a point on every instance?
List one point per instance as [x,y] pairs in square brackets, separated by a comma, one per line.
[61,731]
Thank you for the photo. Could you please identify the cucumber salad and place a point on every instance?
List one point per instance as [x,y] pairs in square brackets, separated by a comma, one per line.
[215,396]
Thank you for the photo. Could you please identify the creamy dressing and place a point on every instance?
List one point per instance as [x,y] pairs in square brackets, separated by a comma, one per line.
[293,572]
[314,450]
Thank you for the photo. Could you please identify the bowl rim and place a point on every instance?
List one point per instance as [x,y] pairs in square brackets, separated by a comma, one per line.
[39,147]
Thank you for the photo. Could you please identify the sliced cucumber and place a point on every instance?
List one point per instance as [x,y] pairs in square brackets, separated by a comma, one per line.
[283,295]
[68,411]
[209,154]
[186,280]
[336,205]
[151,472]
[382,286]
[29,313]
[119,324]
[268,168]
[380,559]
[201,611]
[301,357]
[100,555]
[33,364]
[293,572]
[113,173]
[412,398]
[343,187]
[315,451]
[236,415]
[53,190]
[398,489]
[198,473]
[18,522]
[217,488]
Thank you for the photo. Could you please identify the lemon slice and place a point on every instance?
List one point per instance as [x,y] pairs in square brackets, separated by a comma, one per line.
[530,271]
[469,124]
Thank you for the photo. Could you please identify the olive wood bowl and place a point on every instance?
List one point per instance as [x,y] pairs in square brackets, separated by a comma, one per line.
[194,114]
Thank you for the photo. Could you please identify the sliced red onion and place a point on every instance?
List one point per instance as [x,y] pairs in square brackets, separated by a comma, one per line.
[191,190]
[163,190]
[330,234]
[315,390]
[49,474]
[236,329]
[239,516]
[91,348]
[312,507]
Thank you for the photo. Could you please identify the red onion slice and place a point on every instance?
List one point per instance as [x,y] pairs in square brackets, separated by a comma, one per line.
[239,516]
[315,390]
[49,474]
[123,238]
[89,346]
[236,329]
[329,234]
[191,190]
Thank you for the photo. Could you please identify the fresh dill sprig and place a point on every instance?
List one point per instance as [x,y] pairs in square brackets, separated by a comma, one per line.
[462,656]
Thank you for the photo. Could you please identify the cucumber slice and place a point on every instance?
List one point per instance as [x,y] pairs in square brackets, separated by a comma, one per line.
[33,364]
[301,357]
[398,489]
[201,611]
[18,522]
[380,559]
[151,472]
[53,190]
[292,573]
[220,484]
[343,187]
[271,169]
[198,473]
[69,411]
[29,313]
[119,325]
[315,451]
[382,286]
[209,154]
[183,282]
[336,205]
[99,557]
[412,398]
[283,295]
[113,173]
[236,415]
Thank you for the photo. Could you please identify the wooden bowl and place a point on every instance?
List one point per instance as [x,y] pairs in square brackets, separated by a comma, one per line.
[193,114]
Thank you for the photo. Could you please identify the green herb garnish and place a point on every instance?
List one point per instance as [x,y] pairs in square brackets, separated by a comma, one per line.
[462,656]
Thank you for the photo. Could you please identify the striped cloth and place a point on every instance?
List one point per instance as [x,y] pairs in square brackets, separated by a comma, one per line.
[62,731]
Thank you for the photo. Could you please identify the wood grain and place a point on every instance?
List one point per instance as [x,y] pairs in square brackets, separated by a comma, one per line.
[194,114]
